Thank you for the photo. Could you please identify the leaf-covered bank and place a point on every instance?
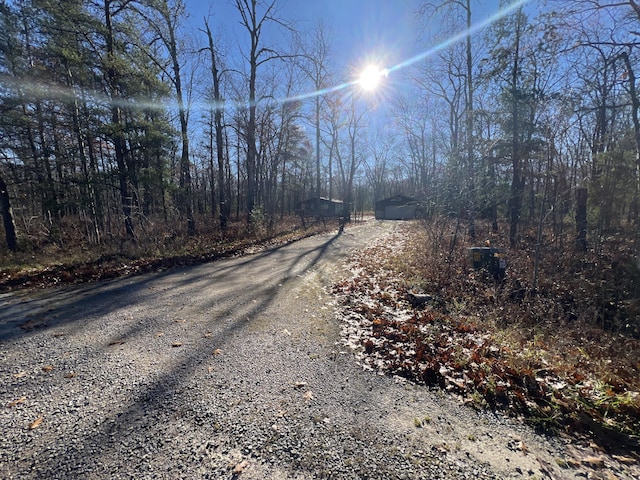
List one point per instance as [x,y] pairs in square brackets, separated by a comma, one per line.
[563,355]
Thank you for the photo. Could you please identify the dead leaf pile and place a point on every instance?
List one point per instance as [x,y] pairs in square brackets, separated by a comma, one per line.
[450,346]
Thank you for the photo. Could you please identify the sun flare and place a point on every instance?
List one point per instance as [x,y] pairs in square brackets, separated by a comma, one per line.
[370,77]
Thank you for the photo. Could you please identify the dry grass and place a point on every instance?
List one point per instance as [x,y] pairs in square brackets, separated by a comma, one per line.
[44,261]
[565,355]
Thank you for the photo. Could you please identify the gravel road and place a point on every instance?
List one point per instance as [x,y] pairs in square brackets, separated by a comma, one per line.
[232,369]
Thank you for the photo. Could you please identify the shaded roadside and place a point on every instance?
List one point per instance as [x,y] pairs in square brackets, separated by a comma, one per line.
[116,354]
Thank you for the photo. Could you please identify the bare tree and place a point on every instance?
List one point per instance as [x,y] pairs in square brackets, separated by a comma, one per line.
[451,9]
[604,47]
[218,108]
[165,28]
[254,21]
[348,164]
[441,84]
[315,64]
[377,172]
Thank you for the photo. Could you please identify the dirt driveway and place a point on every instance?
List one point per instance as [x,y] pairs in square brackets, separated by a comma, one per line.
[232,369]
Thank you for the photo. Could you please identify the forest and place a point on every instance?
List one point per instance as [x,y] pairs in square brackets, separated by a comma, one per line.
[120,127]
[135,137]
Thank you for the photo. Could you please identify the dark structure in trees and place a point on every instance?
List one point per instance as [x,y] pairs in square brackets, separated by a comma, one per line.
[581,219]
[7,217]
[398,207]
[328,208]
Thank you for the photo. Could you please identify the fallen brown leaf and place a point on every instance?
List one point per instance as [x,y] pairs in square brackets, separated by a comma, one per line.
[308,396]
[217,351]
[625,460]
[70,375]
[239,468]
[160,334]
[48,368]
[16,402]
[36,423]
[593,462]
[523,447]
[20,374]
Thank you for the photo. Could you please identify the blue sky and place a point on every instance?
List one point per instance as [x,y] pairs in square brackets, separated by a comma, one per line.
[384,32]
[360,27]
[381,31]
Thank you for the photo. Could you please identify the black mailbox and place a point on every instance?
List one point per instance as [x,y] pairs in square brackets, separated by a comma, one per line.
[492,260]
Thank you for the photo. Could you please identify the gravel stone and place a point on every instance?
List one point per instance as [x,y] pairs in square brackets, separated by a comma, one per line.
[235,369]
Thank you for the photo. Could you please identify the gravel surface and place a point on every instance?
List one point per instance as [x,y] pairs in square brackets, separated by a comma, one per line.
[236,369]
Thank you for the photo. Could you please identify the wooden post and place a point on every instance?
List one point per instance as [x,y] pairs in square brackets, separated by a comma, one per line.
[581,219]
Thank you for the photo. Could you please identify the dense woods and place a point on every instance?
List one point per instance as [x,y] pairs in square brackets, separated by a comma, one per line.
[119,120]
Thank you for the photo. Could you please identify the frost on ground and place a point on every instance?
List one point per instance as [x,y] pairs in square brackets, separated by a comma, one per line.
[435,344]
[233,369]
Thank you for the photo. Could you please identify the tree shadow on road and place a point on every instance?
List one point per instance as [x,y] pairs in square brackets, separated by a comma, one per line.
[221,299]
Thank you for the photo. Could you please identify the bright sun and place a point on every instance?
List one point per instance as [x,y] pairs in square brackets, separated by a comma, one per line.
[370,77]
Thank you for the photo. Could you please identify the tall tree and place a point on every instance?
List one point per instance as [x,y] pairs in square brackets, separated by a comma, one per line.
[218,109]
[441,83]
[516,86]
[450,9]
[9,53]
[72,66]
[604,54]
[165,23]
[348,163]
[315,65]
[253,22]
[112,63]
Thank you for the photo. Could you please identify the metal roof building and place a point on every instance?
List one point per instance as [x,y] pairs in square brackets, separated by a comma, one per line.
[398,207]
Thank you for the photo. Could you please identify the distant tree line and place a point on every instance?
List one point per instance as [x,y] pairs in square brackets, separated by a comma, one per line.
[114,119]
[531,119]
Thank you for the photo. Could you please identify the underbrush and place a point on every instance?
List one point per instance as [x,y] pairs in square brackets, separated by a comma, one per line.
[44,262]
[564,355]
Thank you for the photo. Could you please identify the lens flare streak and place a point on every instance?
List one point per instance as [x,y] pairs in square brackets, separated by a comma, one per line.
[461,35]
[417,58]
[38,92]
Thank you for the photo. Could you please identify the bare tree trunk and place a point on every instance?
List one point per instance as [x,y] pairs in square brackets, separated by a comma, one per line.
[217,112]
[117,127]
[7,217]
[635,106]
[185,161]
[581,219]
[253,26]
[257,56]
[469,124]
[517,185]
